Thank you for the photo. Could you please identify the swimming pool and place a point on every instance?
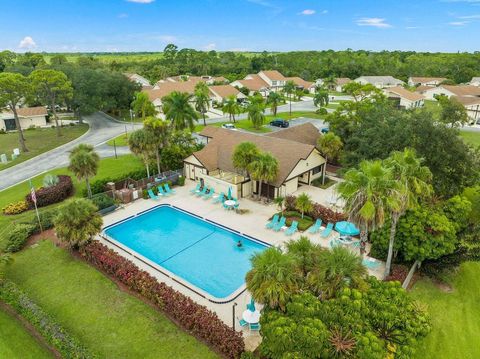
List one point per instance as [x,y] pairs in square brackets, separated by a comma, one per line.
[199,252]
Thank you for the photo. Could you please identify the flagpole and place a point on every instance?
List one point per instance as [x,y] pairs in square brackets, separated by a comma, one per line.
[34,199]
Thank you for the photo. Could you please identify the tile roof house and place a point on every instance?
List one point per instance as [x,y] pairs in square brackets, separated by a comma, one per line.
[218,93]
[166,88]
[425,81]
[138,79]
[209,80]
[452,90]
[380,82]
[269,80]
[254,83]
[298,158]
[28,117]
[302,84]
[472,106]
[475,81]
[406,99]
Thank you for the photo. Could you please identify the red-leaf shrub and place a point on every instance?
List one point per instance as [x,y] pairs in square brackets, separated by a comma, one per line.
[193,317]
[318,211]
[49,195]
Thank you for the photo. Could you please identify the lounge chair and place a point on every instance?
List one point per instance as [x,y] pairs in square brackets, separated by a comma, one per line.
[272,223]
[196,189]
[210,194]
[168,189]
[219,198]
[242,323]
[236,205]
[316,227]
[203,192]
[293,228]
[255,327]
[326,232]
[162,191]
[152,195]
[280,224]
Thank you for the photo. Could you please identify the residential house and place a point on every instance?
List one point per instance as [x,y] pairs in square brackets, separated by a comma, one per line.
[380,82]
[209,80]
[425,81]
[218,93]
[302,84]
[299,160]
[275,80]
[451,90]
[254,83]
[163,89]
[28,117]
[475,81]
[142,81]
[340,82]
[404,98]
[472,106]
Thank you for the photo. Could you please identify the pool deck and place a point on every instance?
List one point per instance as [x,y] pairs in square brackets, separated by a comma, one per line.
[251,224]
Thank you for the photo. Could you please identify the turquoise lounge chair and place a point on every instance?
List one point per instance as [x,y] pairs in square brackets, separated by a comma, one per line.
[242,323]
[293,228]
[280,224]
[196,189]
[152,195]
[202,192]
[168,189]
[273,222]
[254,327]
[326,232]
[210,194]
[219,198]
[162,191]
[316,227]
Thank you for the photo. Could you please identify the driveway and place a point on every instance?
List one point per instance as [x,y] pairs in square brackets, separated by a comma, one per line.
[102,128]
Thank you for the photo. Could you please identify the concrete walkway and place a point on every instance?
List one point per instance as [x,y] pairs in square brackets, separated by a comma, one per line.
[102,128]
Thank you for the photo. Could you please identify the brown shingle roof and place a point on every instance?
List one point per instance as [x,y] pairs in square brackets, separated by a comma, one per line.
[217,154]
[467,100]
[300,82]
[256,83]
[402,92]
[422,80]
[166,88]
[32,111]
[463,90]
[342,81]
[274,75]
[224,90]
[305,133]
[423,88]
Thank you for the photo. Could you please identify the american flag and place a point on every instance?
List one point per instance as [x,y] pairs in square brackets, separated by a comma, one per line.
[34,197]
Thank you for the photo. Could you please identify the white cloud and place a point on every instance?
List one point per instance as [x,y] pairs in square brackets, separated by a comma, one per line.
[470,17]
[308,12]
[141,1]
[373,21]
[122,16]
[210,47]
[27,43]
[458,23]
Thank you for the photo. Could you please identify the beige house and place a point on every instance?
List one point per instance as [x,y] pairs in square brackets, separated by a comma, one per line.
[380,82]
[299,160]
[451,90]
[472,105]
[302,84]
[219,93]
[28,117]
[405,98]
[254,83]
[163,89]
[425,81]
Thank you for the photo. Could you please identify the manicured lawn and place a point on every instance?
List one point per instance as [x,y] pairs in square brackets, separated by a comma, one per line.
[328,183]
[455,316]
[335,93]
[108,167]
[471,137]
[303,223]
[38,141]
[333,105]
[121,140]
[16,342]
[108,321]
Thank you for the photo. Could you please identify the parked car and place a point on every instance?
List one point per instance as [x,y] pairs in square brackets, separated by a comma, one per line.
[228,126]
[325,130]
[278,122]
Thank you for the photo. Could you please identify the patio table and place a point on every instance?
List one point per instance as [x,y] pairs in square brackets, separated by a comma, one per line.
[230,203]
[251,317]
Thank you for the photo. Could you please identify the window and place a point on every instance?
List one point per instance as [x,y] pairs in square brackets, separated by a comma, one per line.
[317,169]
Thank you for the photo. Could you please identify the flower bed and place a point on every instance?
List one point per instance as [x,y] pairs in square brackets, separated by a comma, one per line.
[15,208]
[54,194]
[318,211]
[191,316]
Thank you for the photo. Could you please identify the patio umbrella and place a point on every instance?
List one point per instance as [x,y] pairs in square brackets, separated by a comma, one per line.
[347,228]
[229,195]
[251,306]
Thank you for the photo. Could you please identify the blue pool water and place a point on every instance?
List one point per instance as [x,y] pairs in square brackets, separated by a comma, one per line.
[202,253]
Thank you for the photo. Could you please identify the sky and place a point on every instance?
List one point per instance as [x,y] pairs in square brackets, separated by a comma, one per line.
[239,25]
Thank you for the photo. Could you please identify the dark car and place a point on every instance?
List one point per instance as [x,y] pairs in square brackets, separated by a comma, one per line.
[278,122]
[325,130]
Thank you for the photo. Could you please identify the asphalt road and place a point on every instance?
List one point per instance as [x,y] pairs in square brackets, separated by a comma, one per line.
[102,128]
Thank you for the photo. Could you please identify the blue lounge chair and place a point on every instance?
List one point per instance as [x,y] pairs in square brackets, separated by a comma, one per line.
[210,194]
[196,189]
[326,232]
[293,228]
[316,227]
[202,192]
[280,224]
[254,327]
[152,195]
[242,323]
[219,198]
[273,222]
[251,305]
[168,189]
[162,191]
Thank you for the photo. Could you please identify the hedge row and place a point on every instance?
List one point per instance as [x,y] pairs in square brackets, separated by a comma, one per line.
[53,333]
[318,211]
[54,194]
[99,186]
[191,316]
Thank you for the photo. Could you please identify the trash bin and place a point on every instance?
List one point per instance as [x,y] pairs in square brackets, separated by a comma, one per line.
[125,195]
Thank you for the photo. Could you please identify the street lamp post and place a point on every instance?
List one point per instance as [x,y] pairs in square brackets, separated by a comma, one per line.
[131,117]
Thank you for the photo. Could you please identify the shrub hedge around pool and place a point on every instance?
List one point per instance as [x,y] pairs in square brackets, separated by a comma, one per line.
[194,318]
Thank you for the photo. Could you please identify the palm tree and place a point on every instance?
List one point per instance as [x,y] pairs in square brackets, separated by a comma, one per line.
[279,201]
[160,133]
[320,98]
[255,114]
[274,99]
[303,203]
[143,106]
[77,222]
[231,107]
[288,89]
[263,169]
[299,94]
[243,155]
[272,279]
[84,164]
[330,146]
[415,178]
[305,254]
[202,100]
[178,109]
[142,144]
[369,193]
